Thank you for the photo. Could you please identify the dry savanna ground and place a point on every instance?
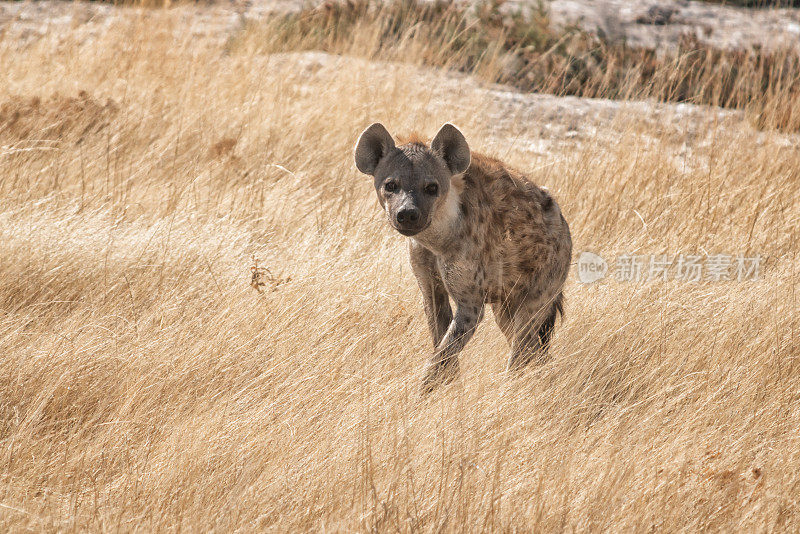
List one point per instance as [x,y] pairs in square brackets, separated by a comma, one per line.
[146,386]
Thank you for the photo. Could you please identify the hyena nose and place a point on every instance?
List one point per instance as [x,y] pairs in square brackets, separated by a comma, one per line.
[407,216]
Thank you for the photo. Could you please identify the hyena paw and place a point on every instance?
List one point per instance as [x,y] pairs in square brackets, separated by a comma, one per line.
[519,362]
[439,373]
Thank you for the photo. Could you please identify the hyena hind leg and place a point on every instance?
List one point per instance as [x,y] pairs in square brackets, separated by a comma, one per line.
[532,334]
[549,323]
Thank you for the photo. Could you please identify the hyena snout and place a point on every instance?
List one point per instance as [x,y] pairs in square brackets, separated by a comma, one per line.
[408,216]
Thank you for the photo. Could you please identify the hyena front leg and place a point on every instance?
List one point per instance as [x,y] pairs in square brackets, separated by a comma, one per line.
[443,365]
[434,295]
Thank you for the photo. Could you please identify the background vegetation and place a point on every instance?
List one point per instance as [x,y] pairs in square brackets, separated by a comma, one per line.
[144,385]
[528,53]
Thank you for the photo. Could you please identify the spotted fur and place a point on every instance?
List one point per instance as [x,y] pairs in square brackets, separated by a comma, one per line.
[490,237]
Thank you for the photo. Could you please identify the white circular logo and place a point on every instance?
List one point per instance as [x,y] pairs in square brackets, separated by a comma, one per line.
[591,268]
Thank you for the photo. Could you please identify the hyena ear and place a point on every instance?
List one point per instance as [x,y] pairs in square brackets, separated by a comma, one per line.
[451,145]
[373,144]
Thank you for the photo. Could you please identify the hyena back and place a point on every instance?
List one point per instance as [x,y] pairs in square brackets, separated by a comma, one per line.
[480,233]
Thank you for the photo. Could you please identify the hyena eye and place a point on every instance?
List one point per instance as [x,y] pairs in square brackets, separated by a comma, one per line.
[390,187]
[432,189]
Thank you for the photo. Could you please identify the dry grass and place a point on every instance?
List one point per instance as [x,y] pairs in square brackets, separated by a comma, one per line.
[498,43]
[144,385]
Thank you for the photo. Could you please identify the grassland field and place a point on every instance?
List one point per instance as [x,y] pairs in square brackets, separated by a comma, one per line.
[146,386]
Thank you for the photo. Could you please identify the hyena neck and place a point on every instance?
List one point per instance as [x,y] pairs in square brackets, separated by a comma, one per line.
[441,236]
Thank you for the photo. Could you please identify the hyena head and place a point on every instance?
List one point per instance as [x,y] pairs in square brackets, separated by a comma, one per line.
[412,180]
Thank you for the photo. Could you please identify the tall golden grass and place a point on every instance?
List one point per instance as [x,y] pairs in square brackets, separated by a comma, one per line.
[500,43]
[145,386]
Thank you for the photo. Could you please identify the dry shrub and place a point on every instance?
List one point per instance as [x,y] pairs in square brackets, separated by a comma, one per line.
[58,117]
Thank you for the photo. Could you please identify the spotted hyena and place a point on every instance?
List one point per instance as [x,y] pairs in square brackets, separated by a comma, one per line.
[480,233]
